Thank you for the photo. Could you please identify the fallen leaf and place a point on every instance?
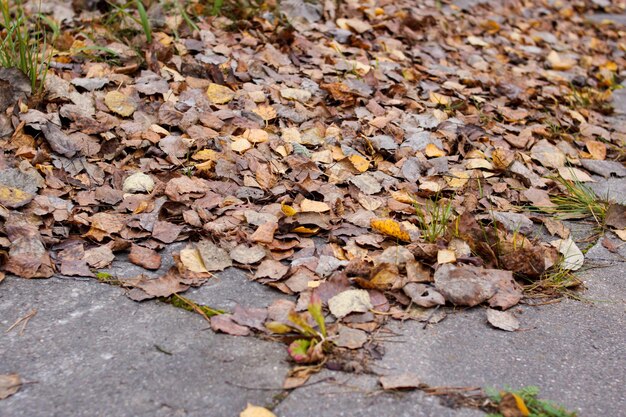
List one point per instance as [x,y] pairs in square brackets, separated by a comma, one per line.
[265,233]
[616,216]
[350,301]
[224,323]
[559,63]
[596,149]
[138,183]
[213,257]
[469,285]
[350,338]
[272,269]
[145,257]
[163,286]
[295,94]
[400,381]
[360,163]
[512,405]
[390,227]
[256,411]
[120,103]
[314,206]
[574,174]
[502,320]
[445,256]
[423,295]
[573,258]
[219,94]
[9,385]
[247,255]
[191,259]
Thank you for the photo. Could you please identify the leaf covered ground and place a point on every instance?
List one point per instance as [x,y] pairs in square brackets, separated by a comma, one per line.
[376,160]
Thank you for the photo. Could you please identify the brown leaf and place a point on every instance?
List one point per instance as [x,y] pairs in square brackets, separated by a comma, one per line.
[165,231]
[28,258]
[502,320]
[265,233]
[144,257]
[350,338]
[76,268]
[9,385]
[616,216]
[400,381]
[271,269]
[213,257]
[224,323]
[469,285]
[163,286]
[250,317]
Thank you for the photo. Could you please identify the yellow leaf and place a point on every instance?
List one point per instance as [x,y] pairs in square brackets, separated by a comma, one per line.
[519,401]
[314,206]
[478,164]
[266,111]
[219,94]
[559,63]
[596,149]
[256,411]
[277,327]
[240,145]
[288,210]
[119,103]
[432,151]
[190,257]
[402,196]
[390,227]
[502,158]
[14,197]
[256,135]
[205,155]
[457,179]
[439,99]
[359,162]
[306,230]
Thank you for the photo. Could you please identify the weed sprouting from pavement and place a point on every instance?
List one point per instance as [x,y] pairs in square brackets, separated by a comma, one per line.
[578,201]
[524,402]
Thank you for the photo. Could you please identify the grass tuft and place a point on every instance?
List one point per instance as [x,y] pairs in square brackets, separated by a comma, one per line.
[433,218]
[578,201]
[24,43]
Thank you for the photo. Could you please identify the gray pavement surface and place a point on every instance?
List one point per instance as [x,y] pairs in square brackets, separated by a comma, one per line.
[91,351]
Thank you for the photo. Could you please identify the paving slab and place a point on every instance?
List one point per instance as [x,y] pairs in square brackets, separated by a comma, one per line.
[90,351]
[574,351]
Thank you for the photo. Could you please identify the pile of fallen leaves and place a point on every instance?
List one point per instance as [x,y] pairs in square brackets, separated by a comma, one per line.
[374,159]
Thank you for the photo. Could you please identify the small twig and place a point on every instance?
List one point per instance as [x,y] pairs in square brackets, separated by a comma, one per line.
[330,378]
[24,320]
[430,316]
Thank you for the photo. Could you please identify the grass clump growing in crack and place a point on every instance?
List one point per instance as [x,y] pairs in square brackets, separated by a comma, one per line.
[525,402]
[579,201]
[433,218]
[555,282]
[23,43]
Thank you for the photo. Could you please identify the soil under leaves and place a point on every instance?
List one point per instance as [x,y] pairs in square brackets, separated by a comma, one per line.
[384,159]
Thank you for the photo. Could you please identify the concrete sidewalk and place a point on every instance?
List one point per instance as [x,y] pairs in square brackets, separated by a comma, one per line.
[91,351]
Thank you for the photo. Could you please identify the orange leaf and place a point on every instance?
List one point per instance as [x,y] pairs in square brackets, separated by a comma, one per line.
[391,228]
